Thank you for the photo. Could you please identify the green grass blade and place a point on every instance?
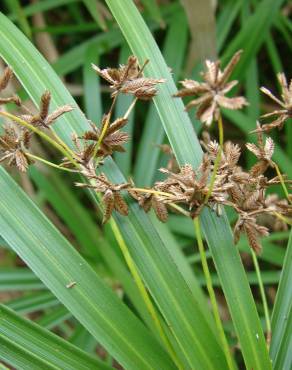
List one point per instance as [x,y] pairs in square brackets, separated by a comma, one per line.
[124,160]
[42,349]
[184,267]
[153,133]
[282,316]
[187,149]
[75,57]
[92,95]
[19,279]
[92,8]
[252,35]
[54,318]
[159,271]
[83,339]
[42,6]
[17,8]
[153,10]
[225,21]
[66,203]
[57,264]
[33,302]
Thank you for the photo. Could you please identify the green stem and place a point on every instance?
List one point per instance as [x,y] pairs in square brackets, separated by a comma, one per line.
[126,115]
[48,163]
[264,299]
[221,132]
[212,294]
[217,159]
[105,127]
[65,151]
[140,285]
[213,176]
[282,181]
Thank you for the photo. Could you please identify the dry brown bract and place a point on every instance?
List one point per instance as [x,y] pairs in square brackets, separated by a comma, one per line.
[191,187]
[212,91]
[283,114]
[43,118]
[253,231]
[112,199]
[263,152]
[13,145]
[113,139]
[128,79]
[4,81]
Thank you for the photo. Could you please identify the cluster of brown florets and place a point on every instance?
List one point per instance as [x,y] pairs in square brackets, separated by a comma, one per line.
[16,139]
[219,180]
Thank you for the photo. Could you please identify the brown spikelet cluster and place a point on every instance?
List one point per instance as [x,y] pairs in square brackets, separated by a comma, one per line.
[129,79]
[217,182]
[211,93]
[112,199]
[43,119]
[113,138]
[4,81]
[280,116]
[15,141]
[13,146]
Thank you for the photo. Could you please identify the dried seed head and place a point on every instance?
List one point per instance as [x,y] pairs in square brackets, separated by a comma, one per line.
[5,78]
[13,146]
[43,118]
[212,91]
[120,205]
[44,105]
[108,203]
[128,79]
[252,239]
[160,209]
[285,112]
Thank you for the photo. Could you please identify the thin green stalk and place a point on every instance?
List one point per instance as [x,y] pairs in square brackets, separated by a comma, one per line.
[264,299]
[126,115]
[134,271]
[282,181]
[221,132]
[48,163]
[114,227]
[217,159]
[64,151]
[212,294]
[287,220]
[105,127]
[213,176]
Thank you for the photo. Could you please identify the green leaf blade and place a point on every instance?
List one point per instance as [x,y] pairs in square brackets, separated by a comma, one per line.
[187,150]
[39,346]
[187,322]
[58,265]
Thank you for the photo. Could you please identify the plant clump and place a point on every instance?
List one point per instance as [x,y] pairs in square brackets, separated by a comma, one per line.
[217,182]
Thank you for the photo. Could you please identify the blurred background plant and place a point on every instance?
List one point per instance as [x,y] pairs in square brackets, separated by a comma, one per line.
[72,34]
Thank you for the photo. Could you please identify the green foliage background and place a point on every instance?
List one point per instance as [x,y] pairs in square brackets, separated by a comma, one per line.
[51,234]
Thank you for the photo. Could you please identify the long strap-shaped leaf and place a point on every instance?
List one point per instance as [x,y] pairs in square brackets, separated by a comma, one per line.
[59,266]
[28,346]
[281,345]
[170,291]
[187,150]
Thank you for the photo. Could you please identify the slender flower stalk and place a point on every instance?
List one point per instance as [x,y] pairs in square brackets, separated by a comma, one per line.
[282,181]
[141,287]
[211,292]
[221,131]
[218,157]
[65,151]
[48,163]
[264,299]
